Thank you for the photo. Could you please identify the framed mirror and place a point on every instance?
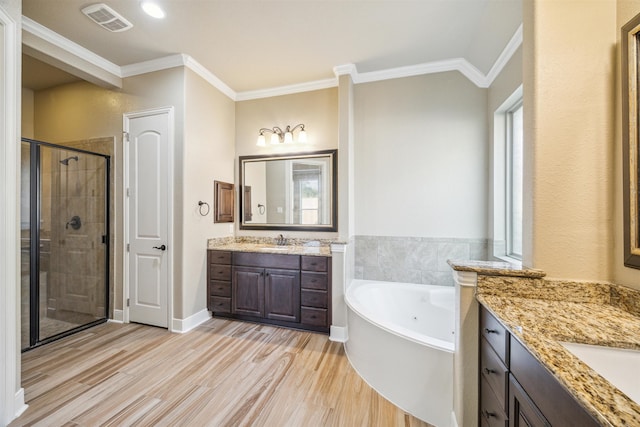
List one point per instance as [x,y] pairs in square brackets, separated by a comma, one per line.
[289,192]
[629,51]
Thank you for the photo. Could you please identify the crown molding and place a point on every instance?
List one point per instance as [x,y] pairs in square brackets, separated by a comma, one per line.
[38,30]
[164,63]
[213,80]
[505,56]
[287,90]
[341,70]
[455,64]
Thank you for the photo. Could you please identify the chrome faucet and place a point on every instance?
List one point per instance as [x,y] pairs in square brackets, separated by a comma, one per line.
[281,241]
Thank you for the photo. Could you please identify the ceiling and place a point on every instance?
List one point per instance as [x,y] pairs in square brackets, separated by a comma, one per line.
[260,44]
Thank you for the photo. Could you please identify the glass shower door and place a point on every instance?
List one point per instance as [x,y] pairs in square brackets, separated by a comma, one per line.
[69,222]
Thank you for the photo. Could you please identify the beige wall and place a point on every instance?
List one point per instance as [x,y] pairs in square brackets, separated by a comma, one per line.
[209,151]
[569,76]
[421,157]
[318,110]
[27,113]
[621,274]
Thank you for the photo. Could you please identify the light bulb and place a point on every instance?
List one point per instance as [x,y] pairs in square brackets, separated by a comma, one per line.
[302,137]
[288,138]
[152,9]
[275,139]
[261,141]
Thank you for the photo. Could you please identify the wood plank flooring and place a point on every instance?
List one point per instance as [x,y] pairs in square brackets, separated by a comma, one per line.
[223,373]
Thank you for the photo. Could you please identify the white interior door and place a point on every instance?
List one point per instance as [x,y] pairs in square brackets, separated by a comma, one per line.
[148,212]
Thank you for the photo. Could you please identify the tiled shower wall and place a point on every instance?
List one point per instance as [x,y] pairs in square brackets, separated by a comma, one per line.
[413,259]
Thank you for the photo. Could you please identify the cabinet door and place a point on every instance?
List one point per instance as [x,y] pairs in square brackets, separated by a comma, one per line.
[282,295]
[523,412]
[247,286]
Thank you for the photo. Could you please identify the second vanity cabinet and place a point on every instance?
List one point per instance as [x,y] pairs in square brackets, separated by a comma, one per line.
[516,390]
[282,289]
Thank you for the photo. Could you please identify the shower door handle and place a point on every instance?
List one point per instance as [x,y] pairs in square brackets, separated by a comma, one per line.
[162,247]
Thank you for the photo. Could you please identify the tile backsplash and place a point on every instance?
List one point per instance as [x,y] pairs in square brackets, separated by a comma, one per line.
[413,259]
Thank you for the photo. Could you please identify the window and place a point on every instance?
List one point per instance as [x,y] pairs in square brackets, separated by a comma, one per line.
[513,214]
[507,179]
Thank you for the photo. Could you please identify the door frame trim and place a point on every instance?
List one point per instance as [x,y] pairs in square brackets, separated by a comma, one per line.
[126,117]
[12,402]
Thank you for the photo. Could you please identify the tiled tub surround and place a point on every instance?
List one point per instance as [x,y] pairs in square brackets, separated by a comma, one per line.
[541,312]
[420,260]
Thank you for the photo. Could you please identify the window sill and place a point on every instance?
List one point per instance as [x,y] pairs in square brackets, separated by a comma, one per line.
[510,260]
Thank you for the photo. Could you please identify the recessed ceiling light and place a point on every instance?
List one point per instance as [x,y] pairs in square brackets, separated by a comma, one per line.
[152,9]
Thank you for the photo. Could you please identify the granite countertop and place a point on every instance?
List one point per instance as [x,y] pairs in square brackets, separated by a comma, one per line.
[540,313]
[495,268]
[266,245]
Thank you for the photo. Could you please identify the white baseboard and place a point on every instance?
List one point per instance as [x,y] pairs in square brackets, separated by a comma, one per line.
[185,325]
[118,316]
[19,403]
[338,334]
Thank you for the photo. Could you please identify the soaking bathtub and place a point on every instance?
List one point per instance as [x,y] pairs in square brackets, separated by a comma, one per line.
[401,342]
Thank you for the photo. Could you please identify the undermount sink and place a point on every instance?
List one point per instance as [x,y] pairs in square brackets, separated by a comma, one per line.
[619,366]
[274,248]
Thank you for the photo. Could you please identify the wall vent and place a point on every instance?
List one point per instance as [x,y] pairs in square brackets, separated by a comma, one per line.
[106,17]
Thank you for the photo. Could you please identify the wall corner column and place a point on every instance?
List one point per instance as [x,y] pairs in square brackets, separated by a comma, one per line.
[465,358]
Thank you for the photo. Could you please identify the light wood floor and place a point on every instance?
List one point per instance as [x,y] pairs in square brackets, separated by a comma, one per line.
[223,373]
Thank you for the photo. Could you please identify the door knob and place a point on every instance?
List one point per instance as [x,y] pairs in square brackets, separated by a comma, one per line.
[162,247]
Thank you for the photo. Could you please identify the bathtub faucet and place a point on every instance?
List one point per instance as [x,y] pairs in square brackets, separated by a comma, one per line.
[281,241]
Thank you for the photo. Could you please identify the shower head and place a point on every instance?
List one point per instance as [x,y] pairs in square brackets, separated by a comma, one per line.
[66,161]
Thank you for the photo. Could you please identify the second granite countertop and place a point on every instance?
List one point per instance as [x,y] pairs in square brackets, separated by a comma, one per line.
[542,324]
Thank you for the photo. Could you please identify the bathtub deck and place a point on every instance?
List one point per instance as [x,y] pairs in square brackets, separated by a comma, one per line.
[223,373]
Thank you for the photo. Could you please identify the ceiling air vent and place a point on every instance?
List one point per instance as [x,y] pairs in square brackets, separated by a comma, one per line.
[106,17]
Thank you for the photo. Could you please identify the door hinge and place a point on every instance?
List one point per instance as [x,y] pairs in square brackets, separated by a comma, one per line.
[125,136]
[128,247]
[105,239]
[127,302]
[128,192]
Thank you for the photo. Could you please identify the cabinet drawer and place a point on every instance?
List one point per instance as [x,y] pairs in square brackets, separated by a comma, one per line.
[495,334]
[314,281]
[219,272]
[494,372]
[220,304]
[491,412]
[253,259]
[312,298]
[219,288]
[219,257]
[314,263]
[313,316]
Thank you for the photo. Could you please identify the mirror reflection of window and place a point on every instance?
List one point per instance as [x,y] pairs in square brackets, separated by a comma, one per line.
[307,188]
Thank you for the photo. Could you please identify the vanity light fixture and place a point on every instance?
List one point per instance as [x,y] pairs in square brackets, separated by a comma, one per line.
[152,9]
[285,136]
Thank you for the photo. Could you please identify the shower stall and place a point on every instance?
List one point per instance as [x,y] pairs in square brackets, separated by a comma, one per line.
[64,241]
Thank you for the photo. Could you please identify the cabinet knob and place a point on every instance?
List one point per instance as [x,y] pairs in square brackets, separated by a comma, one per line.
[490,331]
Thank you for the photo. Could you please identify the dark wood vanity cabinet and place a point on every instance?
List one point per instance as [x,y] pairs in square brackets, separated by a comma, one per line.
[266,292]
[287,290]
[515,389]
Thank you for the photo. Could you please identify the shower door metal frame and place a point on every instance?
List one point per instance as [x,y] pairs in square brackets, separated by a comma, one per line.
[35,204]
